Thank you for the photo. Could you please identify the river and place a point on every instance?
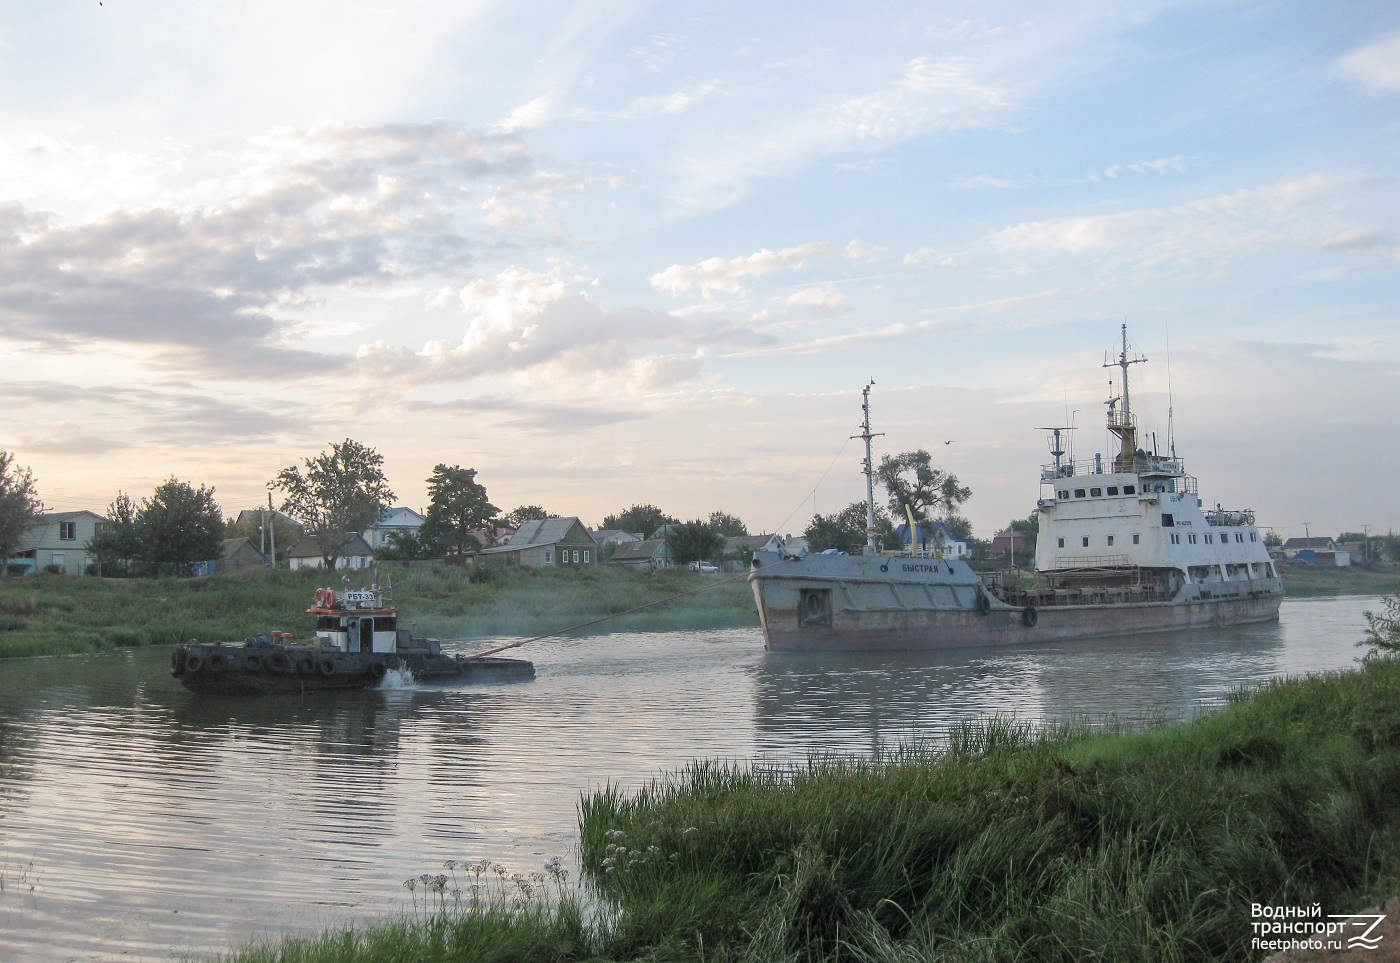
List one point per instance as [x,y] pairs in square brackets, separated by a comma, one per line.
[140,822]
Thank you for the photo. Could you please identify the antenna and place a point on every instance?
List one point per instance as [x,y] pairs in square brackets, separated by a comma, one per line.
[1171,424]
[869,469]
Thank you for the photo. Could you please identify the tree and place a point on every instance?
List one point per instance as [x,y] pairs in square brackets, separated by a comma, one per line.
[727,525]
[845,530]
[694,541]
[1383,629]
[20,507]
[341,493]
[641,519]
[910,479]
[958,526]
[405,545]
[1273,540]
[116,544]
[526,513]
[178,526]
[457,506]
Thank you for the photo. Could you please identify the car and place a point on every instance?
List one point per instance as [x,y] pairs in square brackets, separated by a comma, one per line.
[709,568]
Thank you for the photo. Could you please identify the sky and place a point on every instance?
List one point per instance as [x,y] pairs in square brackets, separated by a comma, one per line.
[637,252]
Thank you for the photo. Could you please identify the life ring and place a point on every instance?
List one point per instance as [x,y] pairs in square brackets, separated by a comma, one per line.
[217,663]
[321,599]
[326,667]
[194,662]
[1029,616]
[305,665]
[376,670]
[252,663]
[278,662]
[984,604]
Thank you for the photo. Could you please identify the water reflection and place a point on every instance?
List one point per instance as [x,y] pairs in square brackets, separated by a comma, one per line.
[138,820]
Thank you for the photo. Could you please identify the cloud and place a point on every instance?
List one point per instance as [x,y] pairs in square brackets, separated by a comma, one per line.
[1175,164]
[1374,67]
[818,298]
[540,327]
[723,274]
[341,206]
[526,117]
[1288,212]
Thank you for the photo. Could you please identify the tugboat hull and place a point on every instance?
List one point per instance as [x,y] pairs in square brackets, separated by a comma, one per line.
[248,670]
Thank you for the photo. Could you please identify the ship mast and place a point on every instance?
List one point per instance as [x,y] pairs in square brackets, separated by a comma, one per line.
[868,469]
[1120,421]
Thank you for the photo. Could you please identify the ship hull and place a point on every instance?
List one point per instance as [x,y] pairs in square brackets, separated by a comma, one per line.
[232,670]
[881,604]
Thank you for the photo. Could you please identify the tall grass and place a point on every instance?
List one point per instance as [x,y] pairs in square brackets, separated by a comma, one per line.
[1006,842]
[48,614]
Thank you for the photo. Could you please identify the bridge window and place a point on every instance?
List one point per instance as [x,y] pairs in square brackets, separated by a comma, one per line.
[1110,539]
[1168,521]
[1062,543]
[1113,490]
[1136,539]
[1192,538]
[1129,489]
[1086,541]
[1096,492]
[1079,493]
[1209,538]
[1176,538]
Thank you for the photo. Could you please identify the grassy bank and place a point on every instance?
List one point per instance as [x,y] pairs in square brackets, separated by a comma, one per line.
[1303,580]
[1008,844]
[49,614]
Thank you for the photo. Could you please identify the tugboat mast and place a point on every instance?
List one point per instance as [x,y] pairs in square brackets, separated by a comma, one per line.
[869,470]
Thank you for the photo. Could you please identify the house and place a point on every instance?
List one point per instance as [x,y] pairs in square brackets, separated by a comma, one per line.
[60,540]
[1318,543]
[935,539]
[649,555]
[239,554]
[546,542]
[739,549]
[355,553]
[399,519]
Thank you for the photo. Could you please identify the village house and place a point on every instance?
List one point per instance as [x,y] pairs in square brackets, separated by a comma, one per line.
[355,553]
[648,555]
[935,538]
[60,540]
[400,519]
[739,549]
[554,542]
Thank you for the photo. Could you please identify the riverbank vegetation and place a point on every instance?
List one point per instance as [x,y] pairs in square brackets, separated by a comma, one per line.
[1006,843]
[46,614]
[1306,580]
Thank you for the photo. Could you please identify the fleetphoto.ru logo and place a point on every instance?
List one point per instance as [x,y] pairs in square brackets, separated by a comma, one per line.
[1306,928]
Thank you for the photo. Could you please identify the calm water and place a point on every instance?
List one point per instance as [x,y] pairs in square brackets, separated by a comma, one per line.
[139,822]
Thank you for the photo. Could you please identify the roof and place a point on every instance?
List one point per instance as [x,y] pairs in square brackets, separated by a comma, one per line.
[231,546]
[1317,541]
[310,547]
[68,516]
[639,551]
[400,513]
[545,531]
[732,543]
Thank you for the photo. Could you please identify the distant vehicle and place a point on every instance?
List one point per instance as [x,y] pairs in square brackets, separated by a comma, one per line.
[707,567]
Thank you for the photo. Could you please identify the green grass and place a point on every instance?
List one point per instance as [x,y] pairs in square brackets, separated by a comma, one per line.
[1305,580]
[47,614]
[1007,843]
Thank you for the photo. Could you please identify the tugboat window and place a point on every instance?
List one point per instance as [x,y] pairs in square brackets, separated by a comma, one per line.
[1168,521]
[1079,493]
[1129,489]
[1113,490]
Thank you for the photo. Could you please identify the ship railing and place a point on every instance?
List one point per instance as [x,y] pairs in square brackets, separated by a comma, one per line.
[1148,466]
[1068,562]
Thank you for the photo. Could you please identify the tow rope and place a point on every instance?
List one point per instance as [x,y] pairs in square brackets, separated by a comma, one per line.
[605,618]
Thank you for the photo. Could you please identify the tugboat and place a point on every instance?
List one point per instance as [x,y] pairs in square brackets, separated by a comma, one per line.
[1124,547]
[357,643]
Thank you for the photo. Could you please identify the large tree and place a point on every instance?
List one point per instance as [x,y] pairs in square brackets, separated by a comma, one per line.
[457,506]
[117,545]
[910,478]
[341,493]
[178,526]
[695,541]
[845,530]
[639,519]
[20,507]
[527,513]
[730,526]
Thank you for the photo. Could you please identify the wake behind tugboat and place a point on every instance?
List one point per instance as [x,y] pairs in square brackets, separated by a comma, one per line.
[357,643]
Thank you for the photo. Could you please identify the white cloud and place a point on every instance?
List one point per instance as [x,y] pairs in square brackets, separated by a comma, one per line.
[527,116]
[1287,212]
[1375,67]
[723,274]
[1175,164]
[819,298]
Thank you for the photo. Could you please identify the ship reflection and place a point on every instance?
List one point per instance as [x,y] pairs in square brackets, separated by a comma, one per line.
[866,702]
